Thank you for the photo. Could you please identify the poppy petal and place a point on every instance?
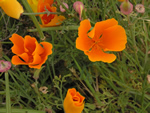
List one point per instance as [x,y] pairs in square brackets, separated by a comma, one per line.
[50,2]
[43,57]
[39,49]
[113,39]
[24,57]
[33,4]
[101,26]
[12,8]
[29,44]
[45,17]
[96,54]
[70,102]
[36,62]
[84,43]
[47,48]
[84,28]
[16,60]
[57,20]
[91,33]
[18,42]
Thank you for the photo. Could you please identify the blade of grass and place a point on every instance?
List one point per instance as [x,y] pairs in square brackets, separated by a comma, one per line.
[8,103]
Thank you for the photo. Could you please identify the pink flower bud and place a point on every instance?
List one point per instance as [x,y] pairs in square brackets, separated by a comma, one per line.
[62,9]
[126,7]
[140,8]
[78,7]
[148,78]
[4,65]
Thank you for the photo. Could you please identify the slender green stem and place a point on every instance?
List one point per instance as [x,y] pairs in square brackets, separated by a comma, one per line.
[6,42]
[103,7]
[56,28]
[60,3]
[3,110]
[36,23]
[45,12]
[8,104]
[48,68]
[19,86]
[53,68]
[87,82]
[132,32]
[37,91]
[114,8]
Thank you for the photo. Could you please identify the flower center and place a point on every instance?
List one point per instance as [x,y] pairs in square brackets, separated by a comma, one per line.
[47,17]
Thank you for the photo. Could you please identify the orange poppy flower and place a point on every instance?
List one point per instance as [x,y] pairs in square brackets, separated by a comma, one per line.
[29,52]
[12,8]
[52,19]
[73,102]
[104,37]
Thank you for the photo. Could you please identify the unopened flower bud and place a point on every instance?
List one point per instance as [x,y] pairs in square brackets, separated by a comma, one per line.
[4,65]
[140,8]
[62,9]
[126,7]
[78,7]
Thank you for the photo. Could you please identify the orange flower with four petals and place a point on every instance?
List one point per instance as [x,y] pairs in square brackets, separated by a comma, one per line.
[106,36]
[29,52]
[73,102]
[12,8]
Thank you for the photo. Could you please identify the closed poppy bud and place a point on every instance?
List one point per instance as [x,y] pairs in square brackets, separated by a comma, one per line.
[78,7]
[12,8]
[62,9]
[126,7]
[73,102]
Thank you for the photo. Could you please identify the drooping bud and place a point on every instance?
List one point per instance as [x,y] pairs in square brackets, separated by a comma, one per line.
[78,7]
[140,8]
[126,7]
[62,9]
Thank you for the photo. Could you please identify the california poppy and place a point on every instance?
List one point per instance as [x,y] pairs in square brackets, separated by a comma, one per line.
[12,8]
[73,102]
[106,36]
[46,5]
[29,52]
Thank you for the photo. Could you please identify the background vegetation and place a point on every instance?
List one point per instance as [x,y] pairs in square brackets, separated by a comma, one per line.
[122,86]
